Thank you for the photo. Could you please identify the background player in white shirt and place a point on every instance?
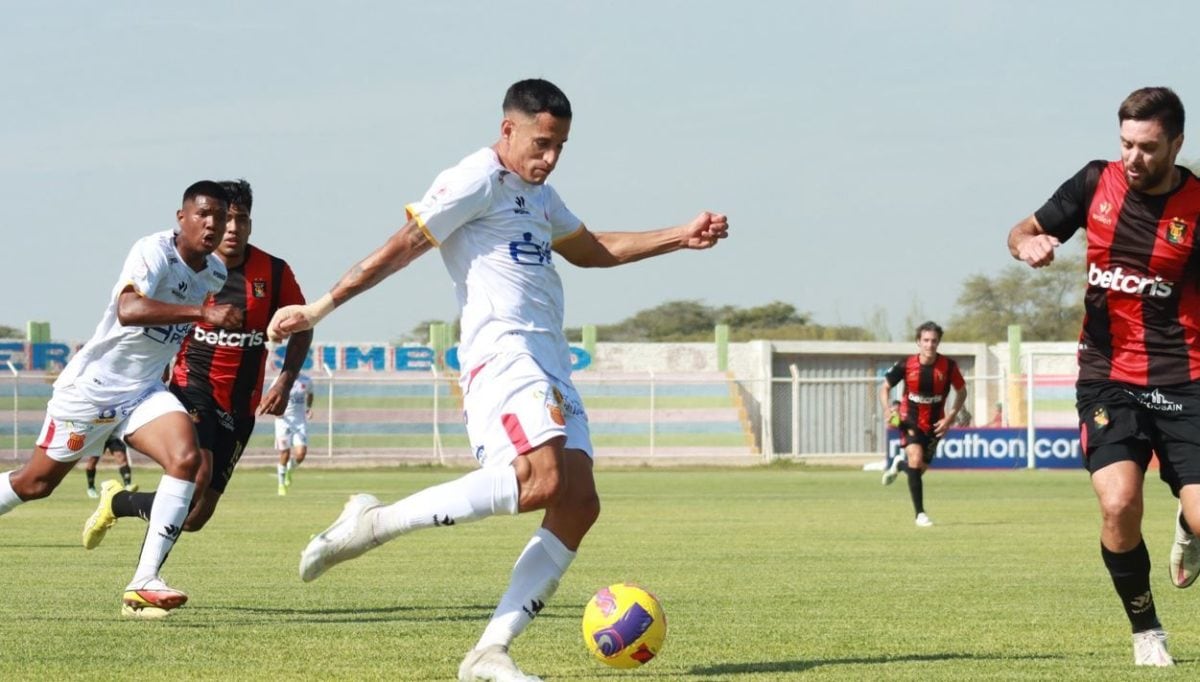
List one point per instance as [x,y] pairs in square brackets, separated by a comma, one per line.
[113,387]
[291,430]
[499,227]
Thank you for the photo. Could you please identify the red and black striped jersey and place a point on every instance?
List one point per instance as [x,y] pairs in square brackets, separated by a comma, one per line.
[925,388]
[1141,320]
[229,364]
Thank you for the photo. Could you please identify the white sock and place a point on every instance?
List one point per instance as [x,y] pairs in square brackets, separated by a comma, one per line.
[477,495]
[534,579]
[280,470]
[292,464]
[8,497]
[170,508]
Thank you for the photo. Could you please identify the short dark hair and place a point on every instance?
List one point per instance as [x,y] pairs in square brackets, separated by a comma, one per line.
[929,326]
[533,96]
[1154,104]
[240,195]
[205,188]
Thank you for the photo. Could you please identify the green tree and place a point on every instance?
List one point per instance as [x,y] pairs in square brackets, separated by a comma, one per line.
[683,321]
[7,332]
[1046,302]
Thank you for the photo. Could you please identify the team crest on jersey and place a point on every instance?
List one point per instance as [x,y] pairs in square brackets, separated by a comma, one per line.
[1177,231]
[1100,417]
[259,288]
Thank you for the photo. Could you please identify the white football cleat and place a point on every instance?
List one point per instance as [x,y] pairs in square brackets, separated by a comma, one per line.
[1150,648]
[923,520]
[1185,556]
[349,536]
[893,470]
[492,664]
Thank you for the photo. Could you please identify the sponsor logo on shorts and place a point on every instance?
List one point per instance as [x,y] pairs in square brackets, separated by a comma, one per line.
[107,416]
[1100,417]
[1155,400]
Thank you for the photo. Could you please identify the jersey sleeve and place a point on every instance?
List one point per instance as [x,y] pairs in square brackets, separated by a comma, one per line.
[457,197]
[289,288]
[894,375]
[563,223]
[1066,211]
[956,377]
[144,267]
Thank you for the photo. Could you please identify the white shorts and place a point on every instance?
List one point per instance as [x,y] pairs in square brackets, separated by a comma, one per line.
[511,406]
[76,427]
[290,434]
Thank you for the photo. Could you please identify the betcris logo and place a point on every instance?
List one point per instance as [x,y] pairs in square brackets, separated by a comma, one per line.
[1127,282]
[1002,449]
[227,339]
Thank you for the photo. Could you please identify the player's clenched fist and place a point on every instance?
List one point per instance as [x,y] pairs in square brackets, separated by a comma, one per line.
[223,316]
[297,318]
[704,231]
[1038,250]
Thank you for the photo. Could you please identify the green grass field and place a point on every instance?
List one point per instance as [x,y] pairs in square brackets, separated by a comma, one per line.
[782,573]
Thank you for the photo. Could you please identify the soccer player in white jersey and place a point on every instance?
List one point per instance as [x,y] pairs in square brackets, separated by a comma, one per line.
[291,430]
[500,228]
[113,386]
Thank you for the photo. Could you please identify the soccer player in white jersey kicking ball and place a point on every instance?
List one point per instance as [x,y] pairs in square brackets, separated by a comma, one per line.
[113,386]
[500,228]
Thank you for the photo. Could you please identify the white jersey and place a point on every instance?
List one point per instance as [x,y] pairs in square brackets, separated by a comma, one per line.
[297,401]
[496,232]
[120,362]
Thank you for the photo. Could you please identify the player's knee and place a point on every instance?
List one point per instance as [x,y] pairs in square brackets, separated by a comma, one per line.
[543,489]
[32,488]
[195,523]
[1116,508]
[185,463]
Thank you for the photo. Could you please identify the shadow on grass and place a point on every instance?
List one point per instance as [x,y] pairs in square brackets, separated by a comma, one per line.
[801,666]
[453,612]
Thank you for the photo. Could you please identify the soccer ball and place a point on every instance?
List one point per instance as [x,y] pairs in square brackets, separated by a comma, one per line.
[624,626]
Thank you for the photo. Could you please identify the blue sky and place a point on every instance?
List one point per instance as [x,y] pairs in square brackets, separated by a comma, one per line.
[869,154]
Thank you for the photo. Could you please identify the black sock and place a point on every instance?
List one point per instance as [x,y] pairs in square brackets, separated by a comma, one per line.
[1130,573]
[126,475]
[1184,524]
[916,489]
[903,465]
[132,504]
[91,477]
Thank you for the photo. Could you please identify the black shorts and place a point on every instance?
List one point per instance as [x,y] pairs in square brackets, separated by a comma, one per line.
[911,435]
[219,432]
[1121,422]
[114,444]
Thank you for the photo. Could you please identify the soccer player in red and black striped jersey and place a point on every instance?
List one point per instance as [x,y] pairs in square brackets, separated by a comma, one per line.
[923,419]
[218,374]
[1138,391]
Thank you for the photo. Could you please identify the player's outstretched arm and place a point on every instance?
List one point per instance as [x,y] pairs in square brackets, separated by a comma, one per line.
[399,250]
[1029,243]
[136,310]
[606,249]
[274,401]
